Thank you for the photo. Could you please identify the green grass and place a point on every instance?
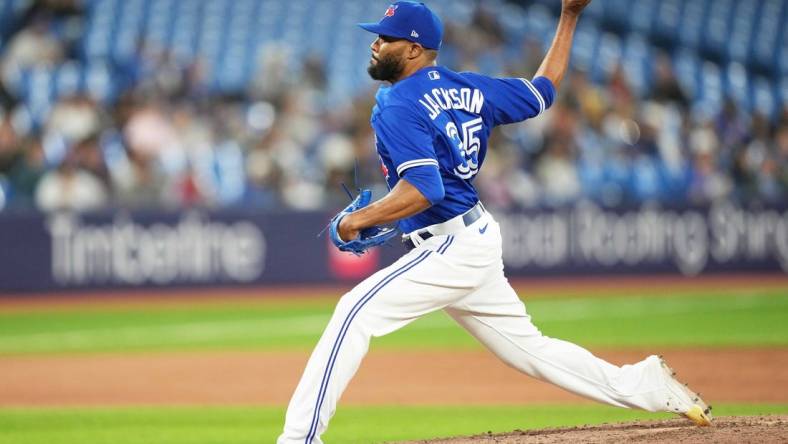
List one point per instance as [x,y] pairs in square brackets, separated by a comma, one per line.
[239,425]
[718,317]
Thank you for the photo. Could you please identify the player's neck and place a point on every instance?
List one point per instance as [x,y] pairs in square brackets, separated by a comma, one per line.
[411,69]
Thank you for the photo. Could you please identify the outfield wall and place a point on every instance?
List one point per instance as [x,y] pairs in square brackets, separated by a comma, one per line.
[236,248]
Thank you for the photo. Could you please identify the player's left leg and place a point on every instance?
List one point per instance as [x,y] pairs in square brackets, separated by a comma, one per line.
[495,315]
[498,319]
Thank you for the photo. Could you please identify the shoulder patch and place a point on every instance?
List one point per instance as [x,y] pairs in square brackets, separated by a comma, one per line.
[434,75]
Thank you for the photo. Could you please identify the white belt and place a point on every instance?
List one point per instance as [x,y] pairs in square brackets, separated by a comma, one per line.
[451,226]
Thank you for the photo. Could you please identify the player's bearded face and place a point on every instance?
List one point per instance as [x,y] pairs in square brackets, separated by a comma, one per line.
[388,68]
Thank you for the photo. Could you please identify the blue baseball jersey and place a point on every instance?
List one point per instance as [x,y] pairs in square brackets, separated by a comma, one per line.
[432,127]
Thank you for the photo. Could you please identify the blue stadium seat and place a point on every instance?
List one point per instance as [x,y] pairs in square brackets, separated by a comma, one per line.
[782,57]
[763,97]
[584,47]
[687,68]
[11,10]
[594,11]
[691,23]
[68,79]
[782,90]
[646,180]
[741,33]
[644,14]
[766,49]
[668,19]
[228,35]
[718,26]
[711,94]
[513,21]
[636,60]
[592,177]
[37,89]
[98,82]
[607,57]
[736,84]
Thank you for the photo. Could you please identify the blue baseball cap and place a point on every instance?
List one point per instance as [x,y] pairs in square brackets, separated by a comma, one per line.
[410,21]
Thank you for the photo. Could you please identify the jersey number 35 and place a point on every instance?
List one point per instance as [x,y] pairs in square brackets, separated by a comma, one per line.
[466,149]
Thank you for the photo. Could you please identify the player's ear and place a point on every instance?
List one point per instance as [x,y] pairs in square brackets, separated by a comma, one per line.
[415,51]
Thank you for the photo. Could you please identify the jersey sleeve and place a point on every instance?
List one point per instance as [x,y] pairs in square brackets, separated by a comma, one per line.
[407,139]
[515,99]
[427,179]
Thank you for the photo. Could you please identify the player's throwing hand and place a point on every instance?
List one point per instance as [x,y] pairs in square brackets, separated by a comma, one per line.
[574,7]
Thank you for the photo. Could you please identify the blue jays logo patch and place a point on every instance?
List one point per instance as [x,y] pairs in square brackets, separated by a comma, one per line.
[391,10]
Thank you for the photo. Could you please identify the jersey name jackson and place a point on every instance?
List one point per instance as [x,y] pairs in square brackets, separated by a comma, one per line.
[467,99]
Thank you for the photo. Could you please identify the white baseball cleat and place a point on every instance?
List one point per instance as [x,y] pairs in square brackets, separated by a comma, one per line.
[683,401]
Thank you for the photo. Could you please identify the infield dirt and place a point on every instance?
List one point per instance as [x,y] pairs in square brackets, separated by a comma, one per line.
[385,377]
[727,430]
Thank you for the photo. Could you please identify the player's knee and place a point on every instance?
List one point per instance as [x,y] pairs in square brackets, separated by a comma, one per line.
[345,303]
[349,303]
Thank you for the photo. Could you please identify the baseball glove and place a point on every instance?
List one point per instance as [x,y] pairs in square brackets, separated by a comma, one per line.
[368,237]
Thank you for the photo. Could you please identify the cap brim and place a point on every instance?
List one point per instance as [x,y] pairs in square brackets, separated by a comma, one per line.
[377,28]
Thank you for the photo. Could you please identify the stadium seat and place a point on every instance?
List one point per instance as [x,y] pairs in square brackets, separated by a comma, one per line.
[636,60]
[229,35]
[643,15]
[668,19]
[691,23]
[742,30]
[736,83]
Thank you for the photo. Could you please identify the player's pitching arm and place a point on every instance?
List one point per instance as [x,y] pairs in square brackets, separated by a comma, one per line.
[402,201]
[556,61]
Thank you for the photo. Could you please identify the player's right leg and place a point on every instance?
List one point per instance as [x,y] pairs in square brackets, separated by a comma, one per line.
[420,282]
[498,319]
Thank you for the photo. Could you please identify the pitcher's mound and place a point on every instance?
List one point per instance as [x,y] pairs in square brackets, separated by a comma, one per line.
[729,429]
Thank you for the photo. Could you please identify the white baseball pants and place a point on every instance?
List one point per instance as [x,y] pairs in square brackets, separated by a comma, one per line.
[461,273]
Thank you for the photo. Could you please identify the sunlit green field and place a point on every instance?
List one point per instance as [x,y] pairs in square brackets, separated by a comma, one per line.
[240,425]
[714,318]
[718,318]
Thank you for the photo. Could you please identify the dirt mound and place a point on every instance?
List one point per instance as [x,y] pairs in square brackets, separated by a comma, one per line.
[730,429]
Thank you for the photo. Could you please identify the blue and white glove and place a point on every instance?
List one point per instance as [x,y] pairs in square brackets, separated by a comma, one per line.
[368,237]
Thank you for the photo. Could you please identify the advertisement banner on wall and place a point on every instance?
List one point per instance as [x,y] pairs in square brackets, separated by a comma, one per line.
[69,251]
[586,239]
[190,249]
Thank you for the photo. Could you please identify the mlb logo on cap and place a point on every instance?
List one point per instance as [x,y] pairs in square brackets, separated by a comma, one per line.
[410,21]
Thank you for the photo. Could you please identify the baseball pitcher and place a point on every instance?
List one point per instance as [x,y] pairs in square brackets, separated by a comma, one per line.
[432,126]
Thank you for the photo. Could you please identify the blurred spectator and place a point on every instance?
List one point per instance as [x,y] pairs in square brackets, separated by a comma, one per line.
[666,88]
[70,188]
[556,169]
[34,45]
[74,118]
[9,143]
[273,76]
[142,121]
[26,172]
[708,182]
[138,183]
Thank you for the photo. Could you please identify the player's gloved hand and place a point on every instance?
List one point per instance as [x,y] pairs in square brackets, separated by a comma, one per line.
[368,237]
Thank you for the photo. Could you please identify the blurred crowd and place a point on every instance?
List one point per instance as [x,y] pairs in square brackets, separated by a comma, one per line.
[168,141]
